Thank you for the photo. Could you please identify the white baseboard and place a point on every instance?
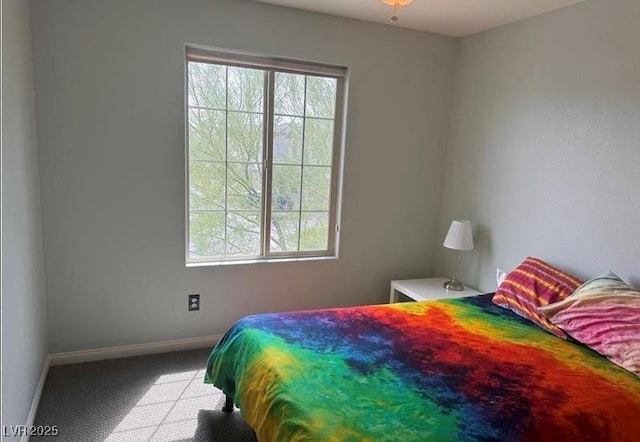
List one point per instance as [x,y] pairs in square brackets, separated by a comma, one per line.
[123,351]
[36,397]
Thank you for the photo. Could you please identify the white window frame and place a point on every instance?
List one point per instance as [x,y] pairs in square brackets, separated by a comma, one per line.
[271,65]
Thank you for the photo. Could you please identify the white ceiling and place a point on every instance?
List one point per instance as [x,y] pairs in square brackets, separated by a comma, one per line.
[455,18]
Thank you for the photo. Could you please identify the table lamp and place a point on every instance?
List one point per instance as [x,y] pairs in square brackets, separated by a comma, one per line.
[459,237]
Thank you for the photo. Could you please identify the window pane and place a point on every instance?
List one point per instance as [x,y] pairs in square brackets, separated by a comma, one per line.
[206,234]
[245,135]
[206,134]
[287,140]
[243,233]
[206,185]
[318,141]
[245,89]
[314,231]
[285,190]
[244,190]
[289,94]
[284,231]
[321,97]
[207,85]
[316,188]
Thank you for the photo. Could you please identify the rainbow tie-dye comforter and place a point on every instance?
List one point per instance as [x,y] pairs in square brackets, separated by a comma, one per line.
[456,370]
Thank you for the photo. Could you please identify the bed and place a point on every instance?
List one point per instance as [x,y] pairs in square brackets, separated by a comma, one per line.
[456,369]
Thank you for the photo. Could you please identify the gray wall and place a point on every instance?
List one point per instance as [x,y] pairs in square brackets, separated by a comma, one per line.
[544,145]
[24,311]
[111,130]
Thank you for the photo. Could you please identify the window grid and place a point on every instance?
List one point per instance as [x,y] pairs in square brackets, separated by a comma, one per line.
[226,158]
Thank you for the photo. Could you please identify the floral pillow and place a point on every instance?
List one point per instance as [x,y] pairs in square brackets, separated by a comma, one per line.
[532,284]
[603,314]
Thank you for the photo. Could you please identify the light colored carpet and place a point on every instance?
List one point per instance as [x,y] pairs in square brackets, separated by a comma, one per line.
[148,398]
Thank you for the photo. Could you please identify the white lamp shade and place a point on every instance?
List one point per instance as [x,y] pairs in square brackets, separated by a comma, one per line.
[459,236]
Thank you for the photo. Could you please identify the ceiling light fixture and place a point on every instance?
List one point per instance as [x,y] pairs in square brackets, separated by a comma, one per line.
[397,4]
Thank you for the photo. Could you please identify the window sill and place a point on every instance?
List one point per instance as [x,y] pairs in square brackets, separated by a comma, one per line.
[260,261]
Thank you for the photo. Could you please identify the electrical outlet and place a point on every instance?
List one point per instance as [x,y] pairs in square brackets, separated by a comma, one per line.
[194,302]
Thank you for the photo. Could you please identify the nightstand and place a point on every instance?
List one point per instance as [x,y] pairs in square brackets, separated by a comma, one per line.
[428,288]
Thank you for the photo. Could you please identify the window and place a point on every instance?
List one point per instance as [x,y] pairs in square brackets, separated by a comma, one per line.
[263,157]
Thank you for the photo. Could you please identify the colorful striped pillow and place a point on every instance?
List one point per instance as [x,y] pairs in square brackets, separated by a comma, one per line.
[532,284]
[603,314]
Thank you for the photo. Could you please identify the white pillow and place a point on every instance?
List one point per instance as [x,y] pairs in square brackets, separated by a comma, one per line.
[500,276]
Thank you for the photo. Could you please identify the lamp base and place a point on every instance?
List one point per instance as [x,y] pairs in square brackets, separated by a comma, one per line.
[454,285]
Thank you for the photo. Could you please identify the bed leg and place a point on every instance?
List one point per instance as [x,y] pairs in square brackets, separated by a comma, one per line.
[228,404]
